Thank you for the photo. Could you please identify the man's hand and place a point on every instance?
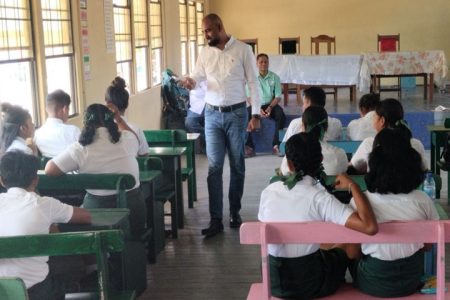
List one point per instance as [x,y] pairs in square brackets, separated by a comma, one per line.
[264,113]
[254,124]
[187,82]
[268,111]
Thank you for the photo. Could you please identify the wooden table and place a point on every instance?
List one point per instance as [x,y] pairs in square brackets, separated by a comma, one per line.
[171,157]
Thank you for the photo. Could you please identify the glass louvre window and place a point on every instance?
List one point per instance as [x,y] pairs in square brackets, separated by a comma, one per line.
[16,55]
[141,42]
[58,45]
[192,35]
[183,36]
[200,38]
[122,30]
[156,42]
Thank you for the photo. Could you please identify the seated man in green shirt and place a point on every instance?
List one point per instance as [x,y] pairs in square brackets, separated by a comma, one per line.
[270,88]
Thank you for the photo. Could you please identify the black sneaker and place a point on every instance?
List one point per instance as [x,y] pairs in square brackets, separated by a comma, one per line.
[215,227]
[235,220]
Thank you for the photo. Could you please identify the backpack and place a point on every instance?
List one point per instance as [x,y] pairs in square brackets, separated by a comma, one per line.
[175,101]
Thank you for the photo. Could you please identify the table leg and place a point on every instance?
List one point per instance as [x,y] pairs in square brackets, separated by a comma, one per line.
[179,189]
[285,93]
[431,87]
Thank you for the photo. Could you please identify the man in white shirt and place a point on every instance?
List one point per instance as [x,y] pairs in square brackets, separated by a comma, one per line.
[54,136]
[227,65]
[315,96]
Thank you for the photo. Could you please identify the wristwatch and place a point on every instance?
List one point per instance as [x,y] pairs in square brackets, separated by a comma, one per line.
[256,116]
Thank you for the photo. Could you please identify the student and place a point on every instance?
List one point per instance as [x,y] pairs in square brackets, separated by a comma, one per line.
[303,271]
[395,172]
[270,88]
[55,136]
[359,129]
[23,212]
[315,121]
[388,114]
[102,148]
[315,96]
[17,130]
[118,95]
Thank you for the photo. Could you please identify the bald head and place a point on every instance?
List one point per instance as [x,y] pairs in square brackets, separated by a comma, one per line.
[214,31]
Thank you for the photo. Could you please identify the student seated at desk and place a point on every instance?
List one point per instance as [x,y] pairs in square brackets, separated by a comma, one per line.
[23,212]
[55,135]
[388,114]
[395,172]
[315,121]
[119,96]
[303,271]
[359,129]
[315,96]
[17,130]
[102,148]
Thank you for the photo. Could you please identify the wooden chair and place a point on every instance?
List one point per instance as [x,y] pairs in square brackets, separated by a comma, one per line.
[98,243]
[290,45]
[257,233]
[253,43]
[12,288]
[389,43]
[330,42]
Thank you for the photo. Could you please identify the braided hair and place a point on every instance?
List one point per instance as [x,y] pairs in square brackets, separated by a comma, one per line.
[315,120]
[117,94]
[14,117]
[98,115]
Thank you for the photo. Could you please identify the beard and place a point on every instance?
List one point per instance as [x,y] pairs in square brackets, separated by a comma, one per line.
[213,42]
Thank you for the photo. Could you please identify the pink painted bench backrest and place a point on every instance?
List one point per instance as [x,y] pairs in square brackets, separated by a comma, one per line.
[257,233]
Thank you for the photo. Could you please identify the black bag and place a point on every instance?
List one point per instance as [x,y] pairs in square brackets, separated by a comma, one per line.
[175,101]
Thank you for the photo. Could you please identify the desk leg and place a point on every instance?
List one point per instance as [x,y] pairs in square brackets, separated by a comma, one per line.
[431,87]
[286,93]
[353,93]
[179,189]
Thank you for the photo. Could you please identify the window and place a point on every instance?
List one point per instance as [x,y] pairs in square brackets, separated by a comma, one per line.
[18,39]
[122,30]
[59,55]
[200,38]
[183,36]
[141,42]
[156,41]
[192,34]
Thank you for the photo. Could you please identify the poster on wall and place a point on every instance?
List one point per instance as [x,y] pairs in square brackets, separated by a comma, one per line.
[109,26]
[83,4]
[85,40]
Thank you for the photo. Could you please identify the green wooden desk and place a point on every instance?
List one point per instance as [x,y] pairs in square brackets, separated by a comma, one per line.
[102,219]
[190,160]
[171,157]
[437,139]
[358,179]
[155,213]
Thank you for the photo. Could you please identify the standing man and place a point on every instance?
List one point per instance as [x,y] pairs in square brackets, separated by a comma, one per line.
[270,85]
[227,65]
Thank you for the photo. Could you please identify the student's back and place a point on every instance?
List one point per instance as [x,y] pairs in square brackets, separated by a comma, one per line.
[359,129]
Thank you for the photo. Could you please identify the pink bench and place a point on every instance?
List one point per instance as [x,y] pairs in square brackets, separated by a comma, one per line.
[257,233]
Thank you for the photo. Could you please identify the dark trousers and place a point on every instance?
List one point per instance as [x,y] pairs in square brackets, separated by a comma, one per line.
[277,114]
[50,288]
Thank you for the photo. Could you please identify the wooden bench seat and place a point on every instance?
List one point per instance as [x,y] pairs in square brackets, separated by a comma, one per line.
[98,243]
[257,233]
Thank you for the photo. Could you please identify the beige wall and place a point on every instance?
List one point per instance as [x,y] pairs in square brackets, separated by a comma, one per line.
[422,24]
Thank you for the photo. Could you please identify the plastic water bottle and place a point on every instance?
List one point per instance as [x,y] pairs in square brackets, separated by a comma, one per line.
[429,186]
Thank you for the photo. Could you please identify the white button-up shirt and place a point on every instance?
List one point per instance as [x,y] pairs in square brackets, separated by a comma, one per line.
[54,136]
[227,71]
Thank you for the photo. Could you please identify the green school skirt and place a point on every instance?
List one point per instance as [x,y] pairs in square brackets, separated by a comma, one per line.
[312,276]
[135,203]
[380,278]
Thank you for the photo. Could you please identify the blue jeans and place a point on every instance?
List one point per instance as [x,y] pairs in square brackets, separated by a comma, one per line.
[225,131]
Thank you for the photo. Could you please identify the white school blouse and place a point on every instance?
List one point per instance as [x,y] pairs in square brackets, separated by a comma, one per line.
[54,137]
[333,132]
[414,206]
[334,160]
[359,129]
[25,213]
[360,158]
[21,145]
[102,156]
[143,145]
[306,201]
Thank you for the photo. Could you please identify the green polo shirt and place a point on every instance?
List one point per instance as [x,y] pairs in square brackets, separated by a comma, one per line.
[269,86]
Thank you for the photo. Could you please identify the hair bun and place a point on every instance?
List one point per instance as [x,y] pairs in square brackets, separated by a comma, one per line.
[6,107]
[118,82]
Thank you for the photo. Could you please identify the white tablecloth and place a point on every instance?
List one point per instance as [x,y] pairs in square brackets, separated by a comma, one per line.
[317,70]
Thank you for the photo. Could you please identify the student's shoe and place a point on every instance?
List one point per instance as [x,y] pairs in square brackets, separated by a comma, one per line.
[235,220]
[215,227]
[276,150]
[249,152]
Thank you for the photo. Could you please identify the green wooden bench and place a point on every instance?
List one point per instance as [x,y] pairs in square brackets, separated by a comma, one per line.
[98,243]
[178,138]
[12,288]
